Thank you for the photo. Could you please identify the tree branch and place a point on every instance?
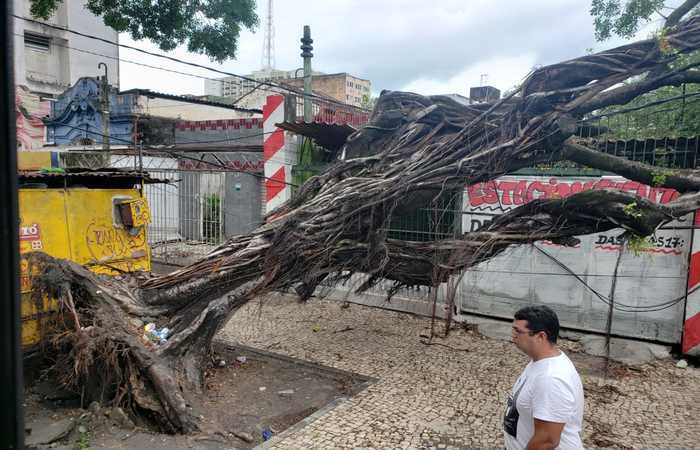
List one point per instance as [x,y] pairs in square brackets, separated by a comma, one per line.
[628,92]
[681,180]
[679,12]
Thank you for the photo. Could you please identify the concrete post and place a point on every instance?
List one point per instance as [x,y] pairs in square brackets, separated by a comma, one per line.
[104,105]
[306,48]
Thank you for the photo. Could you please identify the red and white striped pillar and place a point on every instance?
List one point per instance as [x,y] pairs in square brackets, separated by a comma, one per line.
[278,161]
[691,325]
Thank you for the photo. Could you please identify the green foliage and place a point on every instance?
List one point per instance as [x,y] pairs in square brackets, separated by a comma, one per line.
[211,219]
[621,17]
[210,27]
[659,178]
[368,101]
[663,119]
[83,442]
[632,210]
[638,244]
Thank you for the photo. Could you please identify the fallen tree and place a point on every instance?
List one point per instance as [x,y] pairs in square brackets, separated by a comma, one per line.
[414,148]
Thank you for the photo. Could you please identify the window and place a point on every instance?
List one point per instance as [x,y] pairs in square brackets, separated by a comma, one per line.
[37,42]
[41,63]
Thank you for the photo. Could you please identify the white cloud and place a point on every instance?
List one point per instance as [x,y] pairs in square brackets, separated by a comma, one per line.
[429,47]
[503,73]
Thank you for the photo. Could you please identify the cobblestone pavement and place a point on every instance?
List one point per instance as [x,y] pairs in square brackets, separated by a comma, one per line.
[451,395]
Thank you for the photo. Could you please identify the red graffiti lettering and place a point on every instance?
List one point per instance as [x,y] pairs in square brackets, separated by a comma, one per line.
[507,188]
[513,192]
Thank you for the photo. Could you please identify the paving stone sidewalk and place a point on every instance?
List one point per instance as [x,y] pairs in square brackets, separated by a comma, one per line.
[451,395]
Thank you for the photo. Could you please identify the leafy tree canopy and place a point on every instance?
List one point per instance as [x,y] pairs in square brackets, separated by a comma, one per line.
[624,17]
[210,27]
[621,17]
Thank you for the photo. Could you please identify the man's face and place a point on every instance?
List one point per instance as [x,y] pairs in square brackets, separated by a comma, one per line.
[523,337]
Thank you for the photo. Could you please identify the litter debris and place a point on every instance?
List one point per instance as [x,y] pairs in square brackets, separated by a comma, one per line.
[262,388]
[221,363]
[682,364]
[286,392]
[153,334]
[241,359]
[243,436]
[266,434]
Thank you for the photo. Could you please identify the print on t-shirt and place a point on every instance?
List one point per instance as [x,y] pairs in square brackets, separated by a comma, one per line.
[510,418]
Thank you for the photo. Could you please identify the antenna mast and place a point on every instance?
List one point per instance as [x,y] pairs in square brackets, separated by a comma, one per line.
[268,53]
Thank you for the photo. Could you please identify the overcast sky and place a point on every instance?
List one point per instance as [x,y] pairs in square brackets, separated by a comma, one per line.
[433,47]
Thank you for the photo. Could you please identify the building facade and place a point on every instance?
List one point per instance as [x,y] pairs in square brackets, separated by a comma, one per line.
[48,61]
[343,87]
[75,116]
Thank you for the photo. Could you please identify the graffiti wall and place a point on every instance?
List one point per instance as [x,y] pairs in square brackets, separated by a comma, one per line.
[576,281]
[29,112]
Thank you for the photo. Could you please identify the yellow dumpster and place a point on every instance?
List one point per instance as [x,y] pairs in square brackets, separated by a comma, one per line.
[95,218]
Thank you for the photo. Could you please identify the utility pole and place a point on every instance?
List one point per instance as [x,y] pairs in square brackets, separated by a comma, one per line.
[306,48]
[104,105]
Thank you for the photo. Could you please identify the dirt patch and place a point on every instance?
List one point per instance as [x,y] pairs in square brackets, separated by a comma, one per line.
[251,395]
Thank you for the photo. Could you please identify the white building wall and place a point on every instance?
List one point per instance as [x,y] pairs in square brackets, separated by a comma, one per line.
[53,69]
[176,109]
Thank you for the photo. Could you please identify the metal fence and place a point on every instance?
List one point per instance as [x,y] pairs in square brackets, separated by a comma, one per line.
[330,111]
[186,213]
[660,128]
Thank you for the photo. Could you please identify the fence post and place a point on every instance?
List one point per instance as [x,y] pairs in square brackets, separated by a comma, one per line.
[691,324]
[278,164]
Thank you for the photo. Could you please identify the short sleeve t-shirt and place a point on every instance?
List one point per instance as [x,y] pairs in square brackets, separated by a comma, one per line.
[549,389]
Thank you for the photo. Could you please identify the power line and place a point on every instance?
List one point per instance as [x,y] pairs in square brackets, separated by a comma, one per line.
[165,146]
[157,68]
[618,306]
[189,63]
[174,152]
[128,61]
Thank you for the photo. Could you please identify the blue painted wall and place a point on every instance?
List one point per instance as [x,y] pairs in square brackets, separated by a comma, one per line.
[76,116]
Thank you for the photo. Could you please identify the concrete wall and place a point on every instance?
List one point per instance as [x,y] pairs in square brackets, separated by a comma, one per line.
[242,131]
[178,109]
[342,87]
[60,67]
[524,275]
[189,194]
[242,203]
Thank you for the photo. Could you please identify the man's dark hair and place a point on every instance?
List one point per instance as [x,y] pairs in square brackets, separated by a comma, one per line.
[540,318]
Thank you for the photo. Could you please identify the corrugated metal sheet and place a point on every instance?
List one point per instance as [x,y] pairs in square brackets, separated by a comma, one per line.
[328,135]
[89,178]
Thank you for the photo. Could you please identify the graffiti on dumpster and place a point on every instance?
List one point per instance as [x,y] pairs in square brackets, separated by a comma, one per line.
[107,243]
[30,237]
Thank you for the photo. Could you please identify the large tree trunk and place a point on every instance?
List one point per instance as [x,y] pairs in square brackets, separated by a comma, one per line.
[414,147]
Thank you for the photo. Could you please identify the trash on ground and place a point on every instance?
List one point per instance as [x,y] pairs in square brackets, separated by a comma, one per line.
[153,334]
[266,434]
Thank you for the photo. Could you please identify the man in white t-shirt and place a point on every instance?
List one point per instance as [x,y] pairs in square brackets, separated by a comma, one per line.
[545,408]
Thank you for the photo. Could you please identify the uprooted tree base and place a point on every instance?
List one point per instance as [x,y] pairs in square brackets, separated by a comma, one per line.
[414,148]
